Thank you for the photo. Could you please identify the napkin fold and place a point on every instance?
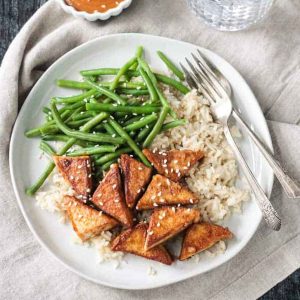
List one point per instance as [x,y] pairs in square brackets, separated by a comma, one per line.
[266,55]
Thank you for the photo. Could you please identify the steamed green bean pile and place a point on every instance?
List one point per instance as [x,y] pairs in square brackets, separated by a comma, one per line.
[115,111]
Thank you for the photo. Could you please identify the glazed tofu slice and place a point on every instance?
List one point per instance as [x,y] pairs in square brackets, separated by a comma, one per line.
[200,237]
[136,176]
[163,191]
[77,172]
[133,241]
[173,164]
[166,222]
[87,222]
[109,197]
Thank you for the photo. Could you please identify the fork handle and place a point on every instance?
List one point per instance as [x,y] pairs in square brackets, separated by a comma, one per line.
[269,213]
[290,186]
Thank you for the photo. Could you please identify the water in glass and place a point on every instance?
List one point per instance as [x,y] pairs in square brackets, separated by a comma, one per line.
[230,15]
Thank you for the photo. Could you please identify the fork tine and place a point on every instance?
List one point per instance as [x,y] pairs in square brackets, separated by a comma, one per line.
[198,85]
[189,79]
[205,68]
[202,81]
[196,59]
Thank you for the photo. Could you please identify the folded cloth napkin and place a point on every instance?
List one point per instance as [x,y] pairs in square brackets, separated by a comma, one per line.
[268,57]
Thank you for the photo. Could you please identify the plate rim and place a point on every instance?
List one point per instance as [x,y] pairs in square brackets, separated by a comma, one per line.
[267,139]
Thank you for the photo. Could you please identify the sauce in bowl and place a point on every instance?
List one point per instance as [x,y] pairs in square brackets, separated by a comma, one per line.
[91,6]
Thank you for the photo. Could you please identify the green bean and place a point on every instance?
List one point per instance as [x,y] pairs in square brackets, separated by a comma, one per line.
[107,165]
[97,137]
[45,147]
[146,109]
[34,132]
[82,115]
[141,123]
[78,123]
[159,77]
[36,186]
[132,120]
[105,158]
[157,127]
[124,85]
[148,82]
[62,138]
[101,71]
[143,64]
[170,65]
[121,72]
[74,99]
[72,84]
[46,110]
[144,132]
[134,92]
[122,133]
[85,128]
[173,83]
[106,92]
[93,150]
[139,51]
[109,129]
[173,124]
[71,107]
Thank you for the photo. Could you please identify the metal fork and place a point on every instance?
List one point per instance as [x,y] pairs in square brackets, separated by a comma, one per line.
[221,107]
[212,74]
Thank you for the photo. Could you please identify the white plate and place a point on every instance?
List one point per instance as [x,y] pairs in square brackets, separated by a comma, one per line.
[25,165]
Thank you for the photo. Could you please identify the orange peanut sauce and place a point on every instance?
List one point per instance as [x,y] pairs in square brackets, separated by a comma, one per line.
[91,6]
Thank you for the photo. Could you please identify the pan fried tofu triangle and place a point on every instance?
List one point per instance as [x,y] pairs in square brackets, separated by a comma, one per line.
[162,191]
[77,172]
[166,222]
[173,164]
[133,241]
[136,177]
[109,197]
[87,222]
[200,237]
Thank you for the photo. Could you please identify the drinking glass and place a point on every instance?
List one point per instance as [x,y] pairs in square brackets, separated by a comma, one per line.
[230,15]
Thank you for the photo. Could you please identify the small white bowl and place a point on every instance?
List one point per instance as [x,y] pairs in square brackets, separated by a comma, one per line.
[96,15]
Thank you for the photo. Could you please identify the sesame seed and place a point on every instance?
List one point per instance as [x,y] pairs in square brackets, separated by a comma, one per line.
[159,194]
[101,203]
[116,200]
[114,186]
[191,201]
[155,204]
[158,224]
[71,177]
[88,190]
[173,209]
[153,197]
[150,232]
[140,168]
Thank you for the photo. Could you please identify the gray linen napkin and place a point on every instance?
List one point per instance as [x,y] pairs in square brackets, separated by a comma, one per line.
[267,56]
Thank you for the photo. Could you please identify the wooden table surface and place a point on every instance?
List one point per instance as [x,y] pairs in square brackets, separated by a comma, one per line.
[13,15]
